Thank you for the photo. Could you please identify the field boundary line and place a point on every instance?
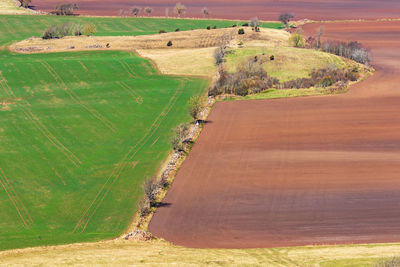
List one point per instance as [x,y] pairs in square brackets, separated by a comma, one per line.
[39,125]
[15,200]
[76,98]
[87,215]
[132,92]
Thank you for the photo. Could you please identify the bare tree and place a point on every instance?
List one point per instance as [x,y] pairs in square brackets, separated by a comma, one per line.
[136,10]
[167,12]
[179,9]
[205,12]
[195,105]
[148,10]
[255,23]
[320,32]
[285,19]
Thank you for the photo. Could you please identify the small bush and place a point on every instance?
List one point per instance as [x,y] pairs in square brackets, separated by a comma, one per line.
[177,30]
[234,26]
[162,31]
[241,31]
[150,188]
[89,29]
[214,27]
[208,27]
[180,134]
[169,43]
[195,105]
[297,40]
[272,58]
[246,24]
[144,207]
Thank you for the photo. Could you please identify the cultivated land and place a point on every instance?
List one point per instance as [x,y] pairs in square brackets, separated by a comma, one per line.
[266,9]
[160,252]
[318,170]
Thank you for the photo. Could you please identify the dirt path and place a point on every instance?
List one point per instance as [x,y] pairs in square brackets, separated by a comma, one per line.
[315,170]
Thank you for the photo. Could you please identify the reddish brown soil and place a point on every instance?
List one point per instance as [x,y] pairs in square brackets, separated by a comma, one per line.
[300,171]
[244,9]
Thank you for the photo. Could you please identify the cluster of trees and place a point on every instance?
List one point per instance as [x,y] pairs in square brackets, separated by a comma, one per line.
[65,9]
[324,77]
[179,9]
[69,29]
[249,78]
[351,50]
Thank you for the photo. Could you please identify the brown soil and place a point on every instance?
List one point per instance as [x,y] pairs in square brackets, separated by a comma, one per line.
[244,9]
[314,170]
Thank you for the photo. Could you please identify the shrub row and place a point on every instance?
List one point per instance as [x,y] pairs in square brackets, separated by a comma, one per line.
[250,77]
[69,29]
[324,77]
[351,50]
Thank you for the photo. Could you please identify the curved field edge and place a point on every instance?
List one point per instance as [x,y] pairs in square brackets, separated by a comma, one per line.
[155,253]
[19,27]
[83,162]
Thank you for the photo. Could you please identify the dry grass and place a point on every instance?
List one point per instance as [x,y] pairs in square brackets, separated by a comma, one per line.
[10,7]
[191,53]
[195,61]
[161,253]
[185,39]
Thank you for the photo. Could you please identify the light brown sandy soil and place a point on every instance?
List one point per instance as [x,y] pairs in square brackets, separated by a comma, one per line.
[314,170]
[245,9]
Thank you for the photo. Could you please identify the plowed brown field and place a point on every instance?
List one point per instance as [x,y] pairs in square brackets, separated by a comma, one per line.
[245,9]
[314,170]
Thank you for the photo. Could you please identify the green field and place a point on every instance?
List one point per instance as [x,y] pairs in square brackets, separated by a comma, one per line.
[19,27]
[80,131]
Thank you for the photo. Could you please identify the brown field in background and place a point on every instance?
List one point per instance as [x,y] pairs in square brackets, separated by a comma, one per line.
[244,9]
[288,172]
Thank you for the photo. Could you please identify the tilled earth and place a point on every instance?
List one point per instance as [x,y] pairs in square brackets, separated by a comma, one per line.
[300,171]
[244,9]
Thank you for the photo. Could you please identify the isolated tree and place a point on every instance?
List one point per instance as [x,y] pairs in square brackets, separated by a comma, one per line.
[297,40]
[180,134]
[65,9]
[179,9]
[150,188]
[285,19]
[320,32]
[135,10]
[148,10]
[24,3]
[255,23]
[89,29]
[195,105]
[205,12]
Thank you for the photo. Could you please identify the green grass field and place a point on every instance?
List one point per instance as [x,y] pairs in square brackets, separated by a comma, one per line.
[79,132]
[19,27]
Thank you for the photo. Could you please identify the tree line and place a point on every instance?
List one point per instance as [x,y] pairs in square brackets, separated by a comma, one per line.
[179,9]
